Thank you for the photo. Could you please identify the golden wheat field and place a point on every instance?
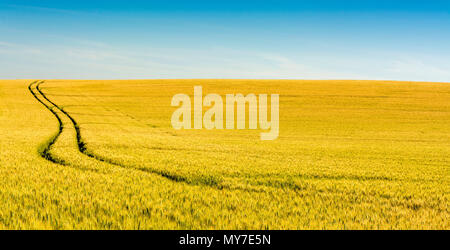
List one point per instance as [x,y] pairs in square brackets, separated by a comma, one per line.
[103,155]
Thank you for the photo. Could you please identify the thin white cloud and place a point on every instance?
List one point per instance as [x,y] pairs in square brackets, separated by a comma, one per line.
[419,69]
[80,60]
[13,48]
[56,10]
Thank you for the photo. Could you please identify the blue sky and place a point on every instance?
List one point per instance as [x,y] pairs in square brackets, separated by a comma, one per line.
[394,40]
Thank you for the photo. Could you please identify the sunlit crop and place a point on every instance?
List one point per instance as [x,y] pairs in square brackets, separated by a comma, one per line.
[104,155]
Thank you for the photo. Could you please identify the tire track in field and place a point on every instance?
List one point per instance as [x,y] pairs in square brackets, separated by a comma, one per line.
[201,181]
[44,149]
[82,148]
[208,181]
[80,142]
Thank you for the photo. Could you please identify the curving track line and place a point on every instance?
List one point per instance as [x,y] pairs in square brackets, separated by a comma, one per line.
[80,142]
[83,149]
[44,149]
